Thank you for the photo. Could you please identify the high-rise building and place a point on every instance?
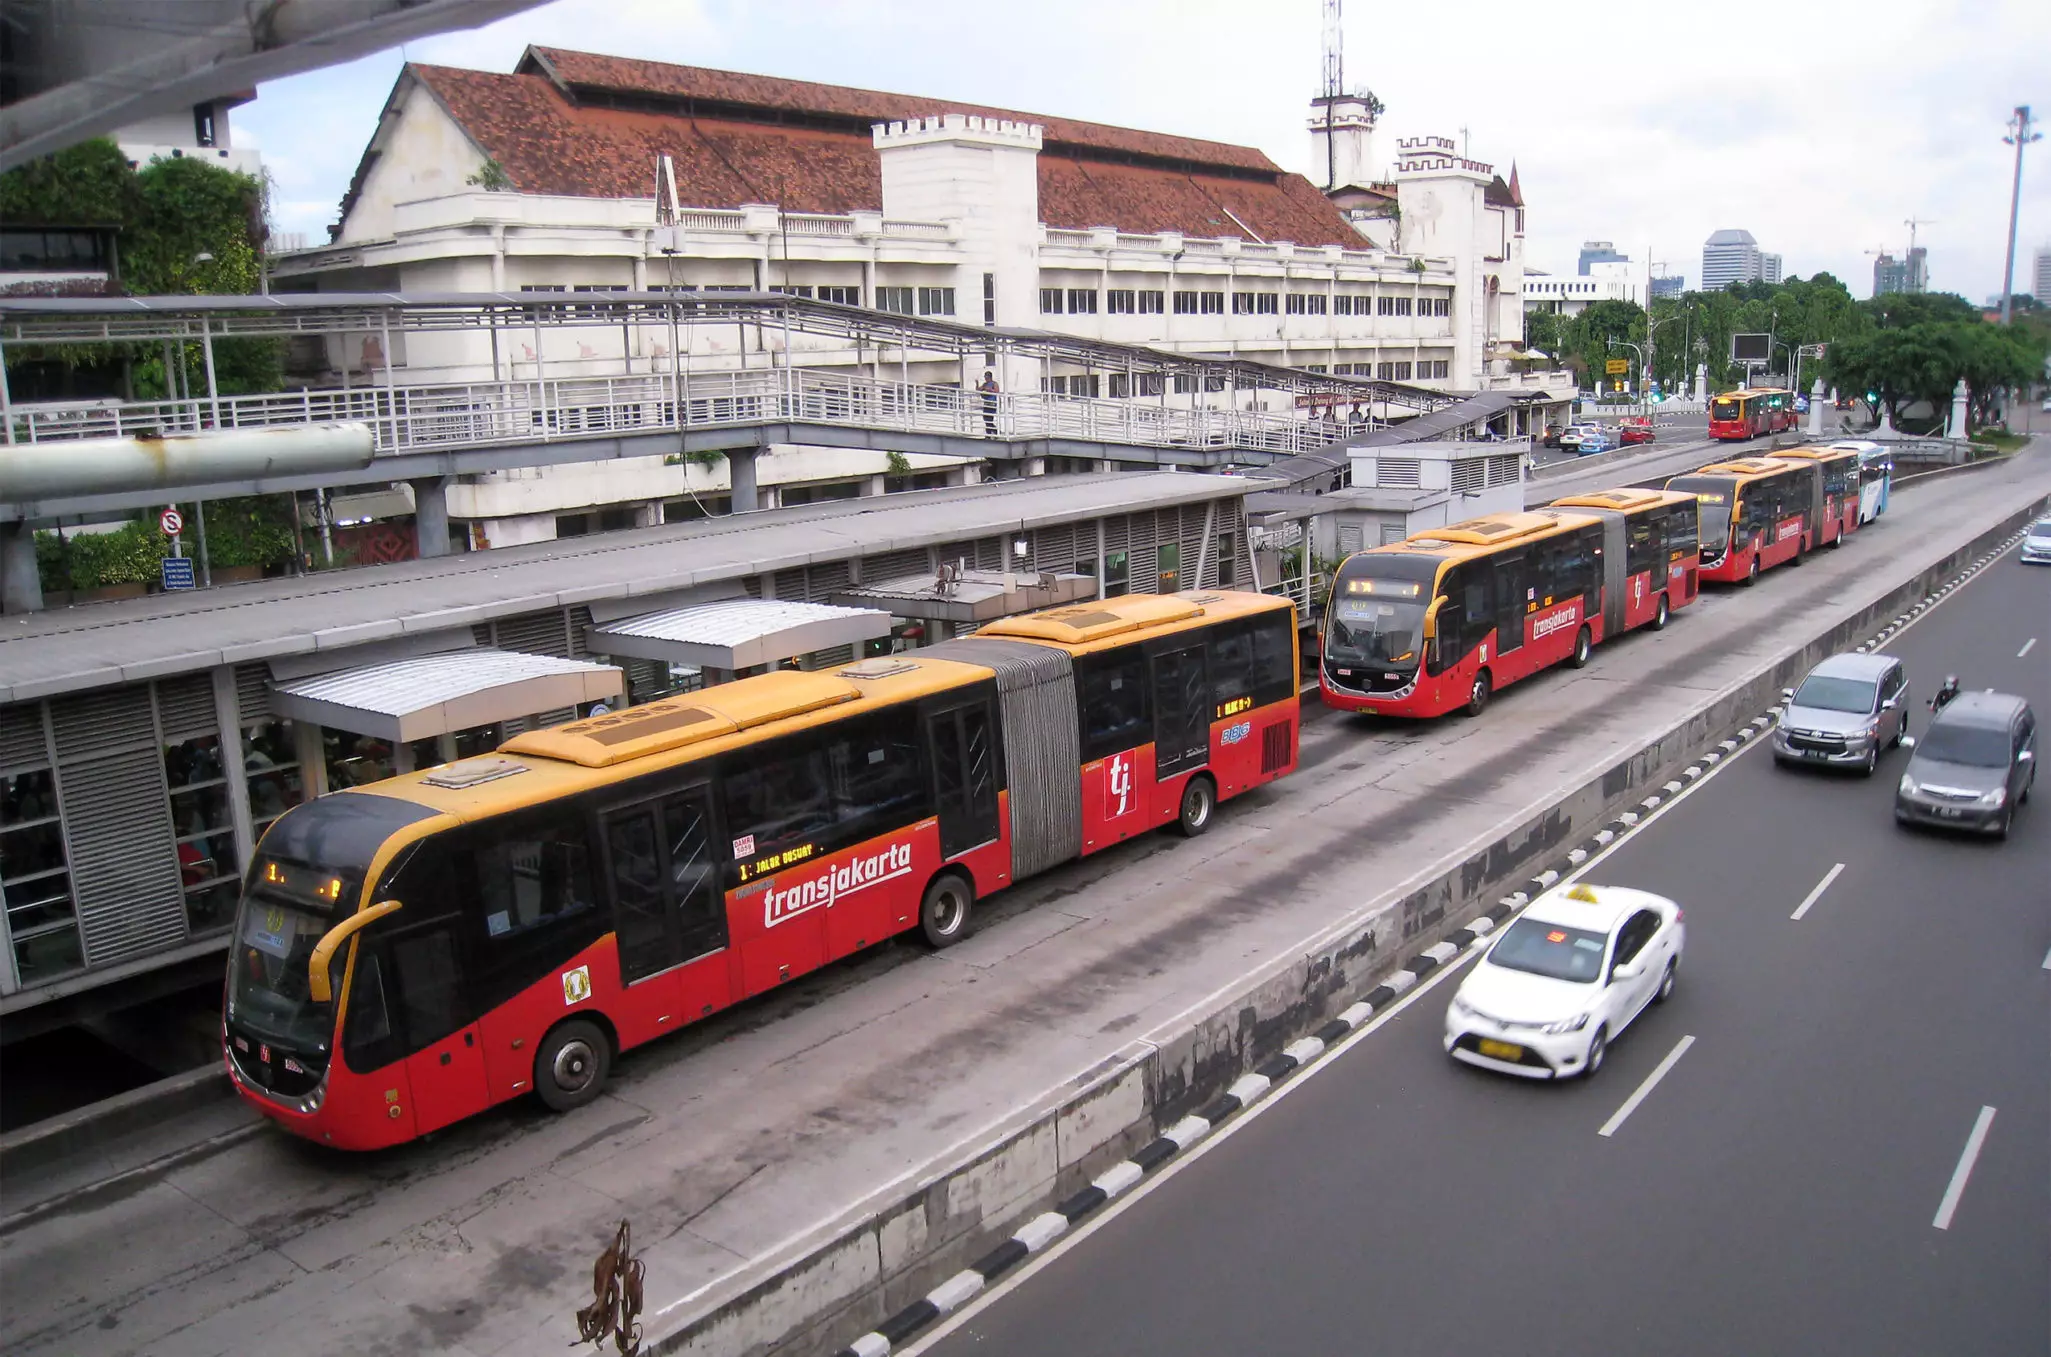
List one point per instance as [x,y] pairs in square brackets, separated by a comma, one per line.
[1769,268]
[1729,256]
[1600,252]
[2041,275]
[1673,285]
[1910,274]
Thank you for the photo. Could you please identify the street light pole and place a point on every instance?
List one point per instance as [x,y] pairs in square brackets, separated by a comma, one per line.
[2020,134]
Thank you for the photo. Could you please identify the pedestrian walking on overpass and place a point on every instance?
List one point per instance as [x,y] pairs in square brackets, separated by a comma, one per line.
[988,386]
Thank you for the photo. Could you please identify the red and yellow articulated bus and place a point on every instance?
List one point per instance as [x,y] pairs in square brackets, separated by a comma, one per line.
[410,953]
[1444,618]
[1756,514]
[1651,559]
[1834,492]
[1751,412]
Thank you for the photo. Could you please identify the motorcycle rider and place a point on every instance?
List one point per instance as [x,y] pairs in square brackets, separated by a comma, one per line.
[1943,696]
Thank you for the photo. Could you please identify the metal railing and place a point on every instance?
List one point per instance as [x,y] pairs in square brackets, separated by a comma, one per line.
[446,417]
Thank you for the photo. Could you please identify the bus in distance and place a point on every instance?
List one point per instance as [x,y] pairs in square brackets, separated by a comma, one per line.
[1834,491]
[410,953]
[1651,560]
[1755,515]
[1876,476]
[1445,617]
[1750,412]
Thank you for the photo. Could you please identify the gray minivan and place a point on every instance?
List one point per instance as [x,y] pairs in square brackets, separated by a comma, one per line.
[1849,709]
[1972,767]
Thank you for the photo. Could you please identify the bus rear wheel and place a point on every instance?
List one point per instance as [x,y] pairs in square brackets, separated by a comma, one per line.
[1659,619]
[1584,649]
[571,1067]
[1477,696]
[944,913]
[1199,799]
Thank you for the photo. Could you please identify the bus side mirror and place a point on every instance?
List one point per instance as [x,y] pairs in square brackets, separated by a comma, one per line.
[317,965]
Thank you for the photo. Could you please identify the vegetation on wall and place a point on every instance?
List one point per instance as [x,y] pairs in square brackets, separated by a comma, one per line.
[250,530]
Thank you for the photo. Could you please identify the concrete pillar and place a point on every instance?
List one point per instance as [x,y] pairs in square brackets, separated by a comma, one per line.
[1702,381]
[1816,402]
[1955,427]
[21,584]
[874,485]
[740,464]
[1035,466]
[431,515]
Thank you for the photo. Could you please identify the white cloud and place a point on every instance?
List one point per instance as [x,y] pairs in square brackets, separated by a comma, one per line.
[1819,126]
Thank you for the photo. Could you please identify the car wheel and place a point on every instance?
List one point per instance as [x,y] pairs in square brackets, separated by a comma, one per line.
[1659,619]
[1584,649]
[1199,799]
[944,913]
[1666,984]
[571,1067]
[2001,825]
[1872,762]
[1477,696]
[1596,1046]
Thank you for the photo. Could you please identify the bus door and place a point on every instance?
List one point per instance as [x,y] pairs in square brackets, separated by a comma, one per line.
[418,974]
[963,740]
[1512,600]
[663,873]
[1182,711]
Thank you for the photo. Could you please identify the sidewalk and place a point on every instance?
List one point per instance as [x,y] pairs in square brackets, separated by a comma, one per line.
[736,1136]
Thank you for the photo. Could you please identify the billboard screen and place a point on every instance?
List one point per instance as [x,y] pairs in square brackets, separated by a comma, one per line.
[1751,348]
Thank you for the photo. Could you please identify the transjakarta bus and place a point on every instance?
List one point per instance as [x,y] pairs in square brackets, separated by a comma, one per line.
[1876,476]
[1651,561]
[1755,514]
[1834,491]
[1750,412]
[1443,618]
[410,953]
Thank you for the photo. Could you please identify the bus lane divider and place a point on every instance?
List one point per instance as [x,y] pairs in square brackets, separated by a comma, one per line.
[1040,1233]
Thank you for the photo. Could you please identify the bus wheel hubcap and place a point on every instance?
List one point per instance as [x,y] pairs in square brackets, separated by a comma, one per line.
[572,1067]
[947,912]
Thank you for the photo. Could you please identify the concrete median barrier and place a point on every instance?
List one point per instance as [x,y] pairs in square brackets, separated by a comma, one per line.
[989,1200]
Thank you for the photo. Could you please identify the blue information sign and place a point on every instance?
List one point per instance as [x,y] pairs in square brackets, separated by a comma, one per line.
[178,572]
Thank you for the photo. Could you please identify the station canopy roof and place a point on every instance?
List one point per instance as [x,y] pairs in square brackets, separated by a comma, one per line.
[739,633]
[973,596]
[412,699]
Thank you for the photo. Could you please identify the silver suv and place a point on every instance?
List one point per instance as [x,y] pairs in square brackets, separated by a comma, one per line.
[1849,709]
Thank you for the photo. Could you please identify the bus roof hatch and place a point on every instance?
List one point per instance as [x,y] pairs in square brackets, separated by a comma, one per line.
[727,709]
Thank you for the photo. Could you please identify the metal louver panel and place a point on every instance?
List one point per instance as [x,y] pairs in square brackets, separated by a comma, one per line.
[833,657]
[253,692]
[93,724]
[895,565]
[788,584]
[992,553]
[823,581]
[1117,532]
[481,633]
[534,634]
[21,736]
[1042,754]
[1054,548]
[185,707]
[124,863]
[580,624]
[752,586]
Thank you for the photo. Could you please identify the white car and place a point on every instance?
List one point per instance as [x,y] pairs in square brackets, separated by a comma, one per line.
[1564,980]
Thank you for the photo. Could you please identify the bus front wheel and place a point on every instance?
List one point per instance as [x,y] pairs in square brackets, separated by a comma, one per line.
[1477,696]
[1199,799]
[944,913]
[571,1067]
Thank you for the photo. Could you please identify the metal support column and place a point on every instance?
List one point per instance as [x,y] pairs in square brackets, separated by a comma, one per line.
[431,515]
[21,585]
[740,464]
[206,348]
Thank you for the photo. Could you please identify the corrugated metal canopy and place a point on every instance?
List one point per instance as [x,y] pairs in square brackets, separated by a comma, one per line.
[739,633]
[435,694]
[978,596]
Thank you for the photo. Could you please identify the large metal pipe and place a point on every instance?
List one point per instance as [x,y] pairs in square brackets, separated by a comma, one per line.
[90,466]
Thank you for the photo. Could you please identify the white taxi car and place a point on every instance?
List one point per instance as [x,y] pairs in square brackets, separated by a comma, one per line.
[1564,980]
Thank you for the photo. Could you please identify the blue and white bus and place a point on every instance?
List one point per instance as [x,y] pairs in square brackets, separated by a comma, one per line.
[1876,476]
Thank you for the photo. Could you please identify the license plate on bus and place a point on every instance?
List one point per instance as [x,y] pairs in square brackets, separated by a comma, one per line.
[1501,1050]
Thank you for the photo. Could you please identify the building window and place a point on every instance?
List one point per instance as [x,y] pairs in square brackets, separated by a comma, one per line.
[1211,303]
[1226,566]
[203,132]
[35,876]
[989,299]
[1050,301]
[1120,385]
[897,300]
[1346,304]
[1439,368]
[270,758]
[1082,301]
[208,868]
[1168,567]
[1319,368]
[1185,303]
[1185,382]
[1117,573]
[1315,301]
[1085,384]
[1150,302]
[597,287]
[1402,306]
[1402,372]
[1385,371]
[1121,301]
[841,296]
[1214,381]
[1298,304]
[936,301]
[793,290]
[1149,383]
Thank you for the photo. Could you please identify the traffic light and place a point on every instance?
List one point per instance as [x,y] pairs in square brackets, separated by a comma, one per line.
[1873,397]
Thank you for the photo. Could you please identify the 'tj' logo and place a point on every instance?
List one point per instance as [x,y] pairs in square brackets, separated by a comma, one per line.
[1118,785]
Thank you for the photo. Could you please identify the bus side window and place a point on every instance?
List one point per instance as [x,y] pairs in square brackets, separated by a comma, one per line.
[1274,659]
[877,779]
[533,874]
[781,794]
[369,1027]
[1231,663]
[429,986]
[1111,695]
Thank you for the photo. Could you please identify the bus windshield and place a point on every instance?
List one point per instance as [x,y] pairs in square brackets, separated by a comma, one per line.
[1713,496]
[1378,607]
[1723,409]
[268,992]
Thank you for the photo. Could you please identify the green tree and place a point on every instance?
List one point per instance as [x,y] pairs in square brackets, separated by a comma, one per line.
[1900,310]
[1588,338]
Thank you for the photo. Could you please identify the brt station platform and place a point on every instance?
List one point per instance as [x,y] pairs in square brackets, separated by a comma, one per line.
[902,1076]
[145,744]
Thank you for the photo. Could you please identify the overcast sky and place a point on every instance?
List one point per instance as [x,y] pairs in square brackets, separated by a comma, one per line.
[1818,125]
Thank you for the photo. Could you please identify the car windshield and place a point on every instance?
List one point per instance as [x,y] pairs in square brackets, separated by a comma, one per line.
[1552,950]
[1973,745]
[1835,694]
[2041,528]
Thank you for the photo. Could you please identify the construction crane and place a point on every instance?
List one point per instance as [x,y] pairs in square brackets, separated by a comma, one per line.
[1916,284]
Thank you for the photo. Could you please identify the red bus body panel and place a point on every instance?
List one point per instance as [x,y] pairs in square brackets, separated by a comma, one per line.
[1549,634]
[1783,543]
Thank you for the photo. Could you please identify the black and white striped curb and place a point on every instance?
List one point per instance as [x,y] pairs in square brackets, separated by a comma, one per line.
[1037,1234]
